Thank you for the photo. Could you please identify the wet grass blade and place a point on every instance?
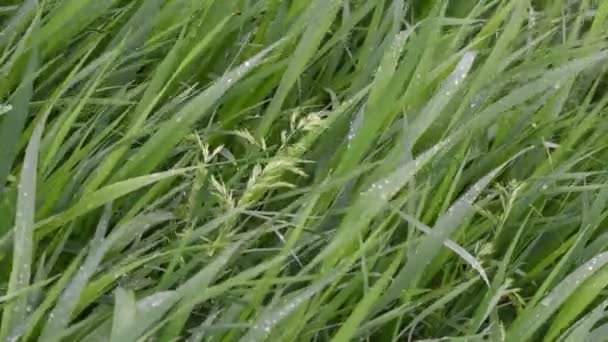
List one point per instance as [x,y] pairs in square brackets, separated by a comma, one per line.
[124,313]
[173,130]
[13,121]
[24,248]
[529,321]
[320,17]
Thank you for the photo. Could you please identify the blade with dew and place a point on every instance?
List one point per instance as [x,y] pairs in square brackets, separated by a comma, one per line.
[532,318]
[369,204]
[445,93]
[198,283]
[105,195]
[50,297]
[322,13]
[17,19]
[170,132]
[367,123]
[349,329]
[529,90]
[581,330]
[125,310]
[149,310]
[61,315]
[12,122]
[453,294]
[15,313]
[430,245]
[456,248]
[576,304]
[272,316]
[165,75]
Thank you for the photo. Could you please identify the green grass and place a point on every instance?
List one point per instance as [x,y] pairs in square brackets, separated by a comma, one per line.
[286,170]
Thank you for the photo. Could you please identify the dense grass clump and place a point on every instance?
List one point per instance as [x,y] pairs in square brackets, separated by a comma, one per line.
[290,170]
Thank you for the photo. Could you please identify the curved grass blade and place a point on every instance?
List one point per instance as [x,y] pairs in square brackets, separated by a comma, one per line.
[430,245]
[125,310]
[368,121]
[12,122]
[272,316]
[17,19]
[582,329]
[15,313]
[349,329]
[105,195]
[597,334]
[578,302]
[532,318]
[446,92]
[368,205]
[460,251]
[322,15]
[51,296]
[198,283]
[156,149]
[149,311]
[60,317]
[453,294]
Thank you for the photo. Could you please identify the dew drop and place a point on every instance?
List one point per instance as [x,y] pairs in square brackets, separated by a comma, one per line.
[5,108]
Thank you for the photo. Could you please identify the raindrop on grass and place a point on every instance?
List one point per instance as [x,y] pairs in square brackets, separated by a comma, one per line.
[5,108]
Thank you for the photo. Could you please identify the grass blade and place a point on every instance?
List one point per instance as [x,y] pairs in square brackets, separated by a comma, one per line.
[15,313]
[534,317]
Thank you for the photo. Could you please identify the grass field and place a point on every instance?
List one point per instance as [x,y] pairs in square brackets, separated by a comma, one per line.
[291,170]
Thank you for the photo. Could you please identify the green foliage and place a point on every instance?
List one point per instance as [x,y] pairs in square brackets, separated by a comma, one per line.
[250,170]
